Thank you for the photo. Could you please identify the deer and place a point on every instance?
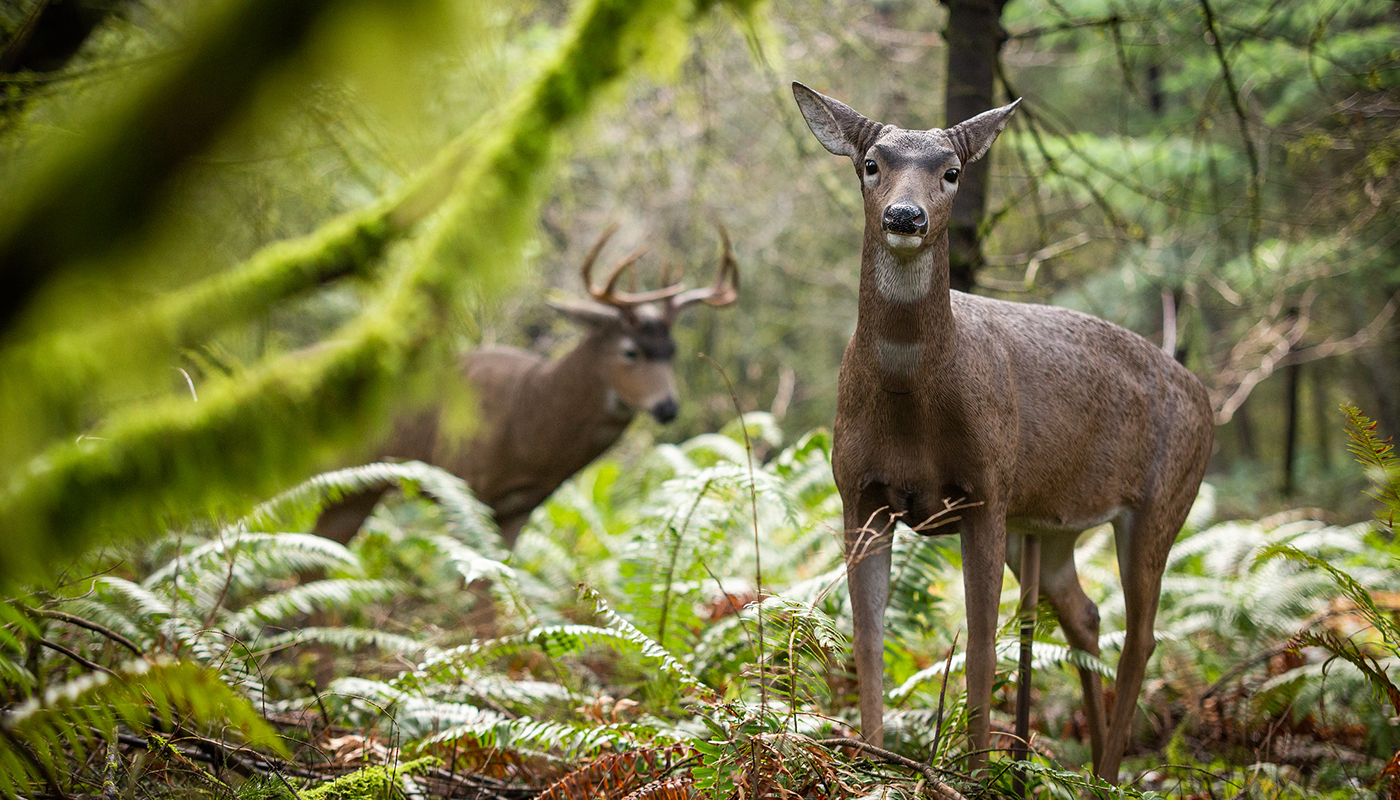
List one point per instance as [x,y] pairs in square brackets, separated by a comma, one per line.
[1035,422]
[541,420]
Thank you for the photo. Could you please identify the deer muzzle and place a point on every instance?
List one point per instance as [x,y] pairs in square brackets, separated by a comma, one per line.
[905,219]
[905,225]
[666,410]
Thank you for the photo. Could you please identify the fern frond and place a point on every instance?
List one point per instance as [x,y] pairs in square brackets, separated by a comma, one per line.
[306,598]
[251,553]
[810,621]
[348,639]
[1379,459]
[60,724]
[526,733]
[650,649]
[467,518]
[1359,595]
[1044,655]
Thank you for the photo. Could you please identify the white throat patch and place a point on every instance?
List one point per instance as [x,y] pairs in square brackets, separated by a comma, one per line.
[903,281]
[898,358]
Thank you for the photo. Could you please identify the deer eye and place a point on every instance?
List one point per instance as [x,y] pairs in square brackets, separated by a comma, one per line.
[871,167]
[951,176]
[630,353]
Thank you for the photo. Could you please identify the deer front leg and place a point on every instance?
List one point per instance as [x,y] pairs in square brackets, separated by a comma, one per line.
[869,534]
[983,553]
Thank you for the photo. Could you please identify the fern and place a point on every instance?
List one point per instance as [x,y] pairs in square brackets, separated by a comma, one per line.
[67,719]
[344,639]
[1044,656]
[467,519]
[310,597]
[1379,459]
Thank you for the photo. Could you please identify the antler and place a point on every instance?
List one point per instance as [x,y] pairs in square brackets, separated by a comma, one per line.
[609,293]
[717,294]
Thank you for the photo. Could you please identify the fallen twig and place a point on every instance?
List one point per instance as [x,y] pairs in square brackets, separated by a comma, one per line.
[928,773]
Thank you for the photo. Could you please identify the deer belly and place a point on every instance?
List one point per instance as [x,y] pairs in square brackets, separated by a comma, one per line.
[1069,523]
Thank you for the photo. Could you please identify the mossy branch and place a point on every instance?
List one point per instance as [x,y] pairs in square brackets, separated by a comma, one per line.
[272,425]
[94,192]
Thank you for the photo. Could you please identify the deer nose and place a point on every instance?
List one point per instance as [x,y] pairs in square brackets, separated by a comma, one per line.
[905,219]
[666,410]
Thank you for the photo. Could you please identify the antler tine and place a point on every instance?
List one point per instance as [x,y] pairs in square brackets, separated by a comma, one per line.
[729,266]
[586,270]
[611,286]
[723,291]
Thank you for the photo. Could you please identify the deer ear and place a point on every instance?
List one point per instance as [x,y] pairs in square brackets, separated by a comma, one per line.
[587,313]
[840,128]
[972,138]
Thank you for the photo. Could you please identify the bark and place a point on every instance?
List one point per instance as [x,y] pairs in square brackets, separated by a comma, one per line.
[974,35]
[1322,415]
[1244,432]
[1290,436]
[1378,360]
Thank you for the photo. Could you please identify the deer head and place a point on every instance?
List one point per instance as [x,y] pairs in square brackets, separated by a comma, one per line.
[908,178]
[631,331]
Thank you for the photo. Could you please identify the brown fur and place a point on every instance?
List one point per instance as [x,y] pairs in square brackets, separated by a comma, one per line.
[541,421]
[1049,420]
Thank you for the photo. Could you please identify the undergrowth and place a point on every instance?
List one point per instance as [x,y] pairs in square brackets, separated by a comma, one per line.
[625,649]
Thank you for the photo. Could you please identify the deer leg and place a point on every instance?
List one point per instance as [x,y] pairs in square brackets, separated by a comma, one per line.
[1079,619]
[510,528]
[340,521]
[869,534]
[1142,539]
[983,553]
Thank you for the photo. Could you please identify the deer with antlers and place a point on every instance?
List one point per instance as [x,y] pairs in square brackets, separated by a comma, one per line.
[1040,422]
[540,421]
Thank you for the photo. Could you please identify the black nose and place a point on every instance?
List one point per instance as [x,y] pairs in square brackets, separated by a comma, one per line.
[907,219]
[666,410]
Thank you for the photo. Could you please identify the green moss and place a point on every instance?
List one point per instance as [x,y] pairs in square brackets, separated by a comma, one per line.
[370,783]
[278,421]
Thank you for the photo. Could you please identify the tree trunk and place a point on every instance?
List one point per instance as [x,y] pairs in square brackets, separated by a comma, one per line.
[1244,432]
[1322,415]
[974,36]
[1290,436]
[1378,361]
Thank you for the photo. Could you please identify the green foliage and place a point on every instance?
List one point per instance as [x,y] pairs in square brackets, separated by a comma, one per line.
[752,682]
[69,718]
[1378,458]
[175,452]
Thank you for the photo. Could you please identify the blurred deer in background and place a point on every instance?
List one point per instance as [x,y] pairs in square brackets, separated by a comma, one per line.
[1034,420]
[540,421]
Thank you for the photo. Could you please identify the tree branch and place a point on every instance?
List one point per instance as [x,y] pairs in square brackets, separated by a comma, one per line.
[92,626]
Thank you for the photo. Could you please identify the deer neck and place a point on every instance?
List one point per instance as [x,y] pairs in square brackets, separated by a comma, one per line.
[580,390]
[904,313]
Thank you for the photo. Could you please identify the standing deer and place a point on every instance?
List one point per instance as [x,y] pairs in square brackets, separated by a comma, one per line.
[541,421]
[1045,421]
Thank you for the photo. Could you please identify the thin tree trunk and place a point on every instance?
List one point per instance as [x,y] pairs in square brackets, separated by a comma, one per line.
[1290,440]
[974,36]
[1322,415]
[1378,361]
[1244,432]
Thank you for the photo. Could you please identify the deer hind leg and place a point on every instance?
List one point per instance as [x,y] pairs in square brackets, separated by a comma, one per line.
[869,535]
[1142,539]
[1079,619]
[983,553]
